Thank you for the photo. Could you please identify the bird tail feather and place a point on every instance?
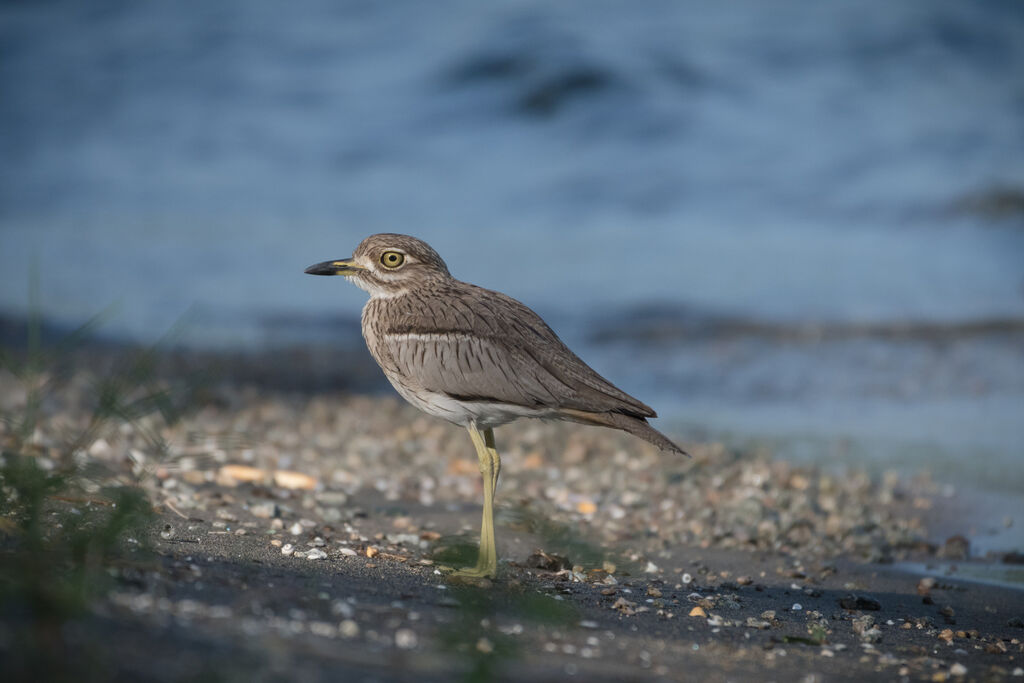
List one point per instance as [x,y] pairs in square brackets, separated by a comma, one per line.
[637,426]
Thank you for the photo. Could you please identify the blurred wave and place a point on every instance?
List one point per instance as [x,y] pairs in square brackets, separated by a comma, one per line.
[768,218]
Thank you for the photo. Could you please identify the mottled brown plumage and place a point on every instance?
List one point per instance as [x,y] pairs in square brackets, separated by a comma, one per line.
[475,357]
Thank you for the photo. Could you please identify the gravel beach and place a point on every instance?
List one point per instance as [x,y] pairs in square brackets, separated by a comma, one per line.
[303,532]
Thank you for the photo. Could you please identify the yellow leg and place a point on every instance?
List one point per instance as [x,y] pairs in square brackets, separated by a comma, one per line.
[495,459]
[490,465]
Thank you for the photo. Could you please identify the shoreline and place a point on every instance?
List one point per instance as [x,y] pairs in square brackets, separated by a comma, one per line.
[313,522]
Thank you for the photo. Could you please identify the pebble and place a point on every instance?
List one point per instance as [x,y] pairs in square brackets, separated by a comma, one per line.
[958,669]
[287,549]
[698,611]
[955,548]
[295,529]
[406,639]
[859,602]
[872,635]
[348,628]
[348,552]
[232,475]
[264,510]
[316,554]
[294,480]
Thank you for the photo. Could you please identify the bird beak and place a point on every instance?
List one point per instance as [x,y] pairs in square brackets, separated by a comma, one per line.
[343,267]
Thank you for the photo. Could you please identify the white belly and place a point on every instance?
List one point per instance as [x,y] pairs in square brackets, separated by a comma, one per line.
[484,414]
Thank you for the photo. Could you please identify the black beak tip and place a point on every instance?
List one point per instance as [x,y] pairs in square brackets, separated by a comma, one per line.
[325,268]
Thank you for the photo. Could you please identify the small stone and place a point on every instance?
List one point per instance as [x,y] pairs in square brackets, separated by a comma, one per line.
[276,542]
[862,624]
[295,529]
[264,510]
[796,607]
[651,568]
[233,475]
[348,629]
[744,580]
[1018,672]
[958,669]
[698,611]
[371,551]
[946,635]
[294,480]
[608,591]
[287,549]
[872,635]
[754,622]
[548,562]
[653,592]
[485,646]
[316,554]
[859,602]
[406,639]
[226,515]
[348,552]
[687,579]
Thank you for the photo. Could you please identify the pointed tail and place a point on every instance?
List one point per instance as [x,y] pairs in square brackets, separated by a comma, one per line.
[634,425]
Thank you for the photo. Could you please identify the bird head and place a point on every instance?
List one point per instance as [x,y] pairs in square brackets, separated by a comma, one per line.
[387,265]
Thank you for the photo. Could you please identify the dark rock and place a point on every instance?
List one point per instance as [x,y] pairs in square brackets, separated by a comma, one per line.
[955,548]
[860,602]
[551,563]
[1013,558]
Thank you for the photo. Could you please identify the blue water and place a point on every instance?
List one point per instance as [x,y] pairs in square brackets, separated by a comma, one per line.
[783,165]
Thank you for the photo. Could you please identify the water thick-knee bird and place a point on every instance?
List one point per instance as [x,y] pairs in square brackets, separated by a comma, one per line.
[477,358]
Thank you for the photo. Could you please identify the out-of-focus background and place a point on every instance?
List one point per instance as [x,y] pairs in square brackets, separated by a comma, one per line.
[797,224]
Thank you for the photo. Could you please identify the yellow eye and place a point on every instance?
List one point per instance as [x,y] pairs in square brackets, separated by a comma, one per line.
[392,259]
